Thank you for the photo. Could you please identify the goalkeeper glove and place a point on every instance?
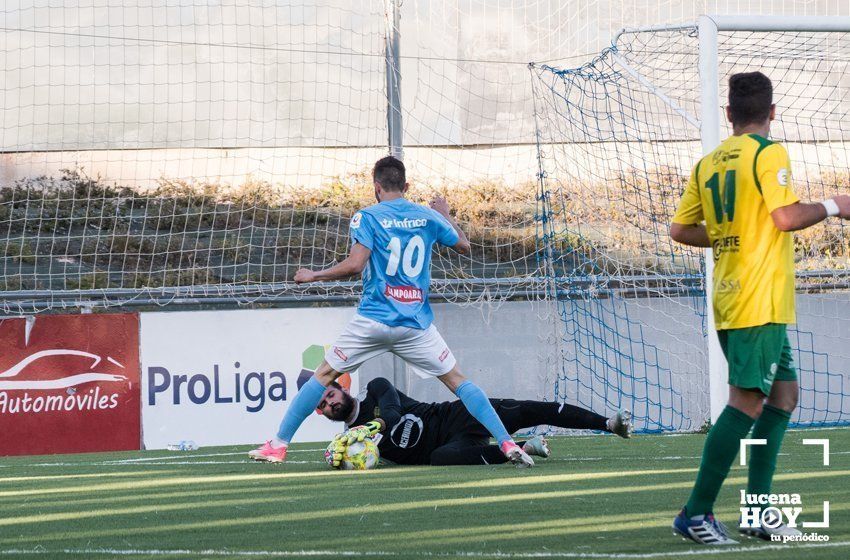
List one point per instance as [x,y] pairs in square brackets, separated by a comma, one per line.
[336,450]
[359,433]
[340,443]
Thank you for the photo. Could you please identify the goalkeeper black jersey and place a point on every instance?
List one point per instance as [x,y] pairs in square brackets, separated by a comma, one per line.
[414,429]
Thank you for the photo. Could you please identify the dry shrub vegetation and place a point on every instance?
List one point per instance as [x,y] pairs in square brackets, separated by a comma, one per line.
[78,232]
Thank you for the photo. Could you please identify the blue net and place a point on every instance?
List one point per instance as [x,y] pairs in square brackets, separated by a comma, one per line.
[617,138]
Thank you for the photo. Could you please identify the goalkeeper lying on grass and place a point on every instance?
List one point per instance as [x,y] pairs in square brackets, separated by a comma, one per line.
[416,433]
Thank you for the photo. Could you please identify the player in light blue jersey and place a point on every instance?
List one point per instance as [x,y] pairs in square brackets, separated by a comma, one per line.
[392,243]
[399,234]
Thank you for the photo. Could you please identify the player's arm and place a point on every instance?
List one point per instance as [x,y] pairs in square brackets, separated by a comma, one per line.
[388,401]
[773,172]
[687,227]
[351,266]
[439,205]
[801,215]
[362,236]
[694,235]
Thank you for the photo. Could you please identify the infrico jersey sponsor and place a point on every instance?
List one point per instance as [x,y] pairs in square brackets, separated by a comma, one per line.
[62,378]
[406,223]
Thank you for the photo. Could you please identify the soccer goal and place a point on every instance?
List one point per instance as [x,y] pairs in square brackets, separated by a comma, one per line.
[617,138]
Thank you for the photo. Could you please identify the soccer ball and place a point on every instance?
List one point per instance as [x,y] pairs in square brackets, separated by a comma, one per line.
[359,456]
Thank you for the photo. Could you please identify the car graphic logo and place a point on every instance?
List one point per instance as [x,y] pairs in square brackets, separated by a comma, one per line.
[61,383]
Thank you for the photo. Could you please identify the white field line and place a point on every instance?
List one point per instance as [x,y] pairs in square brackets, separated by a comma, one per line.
[818,429]
[665,458]
[152,460]
[187,460]
[166,463]
[679,434]
[187,454]
[245,461]
[182,455]
[690,552]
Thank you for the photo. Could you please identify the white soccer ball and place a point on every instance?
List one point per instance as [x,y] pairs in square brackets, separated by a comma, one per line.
[359,456]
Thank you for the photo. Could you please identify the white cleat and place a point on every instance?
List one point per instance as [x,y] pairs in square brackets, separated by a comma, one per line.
[621,424]
[516,455]
[538,445]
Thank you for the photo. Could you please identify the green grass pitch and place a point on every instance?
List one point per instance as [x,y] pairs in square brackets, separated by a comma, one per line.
[597,497]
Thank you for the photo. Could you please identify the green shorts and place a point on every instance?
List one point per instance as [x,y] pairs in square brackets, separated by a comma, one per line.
[758,356]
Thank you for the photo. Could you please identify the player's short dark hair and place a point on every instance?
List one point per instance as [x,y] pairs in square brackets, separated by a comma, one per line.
[335,385]
[389,172]
[750,97]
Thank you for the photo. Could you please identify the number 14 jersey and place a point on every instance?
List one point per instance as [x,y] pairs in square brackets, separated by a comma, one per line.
[400,235]
[734,189]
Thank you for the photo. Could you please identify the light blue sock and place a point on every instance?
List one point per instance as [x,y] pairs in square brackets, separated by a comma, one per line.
[476,402]
[305,402]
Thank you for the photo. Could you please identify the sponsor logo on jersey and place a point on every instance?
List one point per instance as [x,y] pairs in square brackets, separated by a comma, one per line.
[720,157]
[407,432]
[340,354]
[355,220]
[722,286]
[444,355]
[782,177]
[404,294]
[729,244]
[406,223]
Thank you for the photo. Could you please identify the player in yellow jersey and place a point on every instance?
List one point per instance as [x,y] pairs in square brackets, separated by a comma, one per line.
[740,202]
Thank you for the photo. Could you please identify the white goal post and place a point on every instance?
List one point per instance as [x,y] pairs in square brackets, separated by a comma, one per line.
[707,27]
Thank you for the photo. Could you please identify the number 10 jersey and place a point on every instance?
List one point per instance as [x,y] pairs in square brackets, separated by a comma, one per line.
[400,235]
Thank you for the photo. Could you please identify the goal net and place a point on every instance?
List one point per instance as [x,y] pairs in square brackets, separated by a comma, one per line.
[204,153]
[617,138]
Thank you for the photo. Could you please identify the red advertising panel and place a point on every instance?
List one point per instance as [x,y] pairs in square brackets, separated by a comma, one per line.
[69,384]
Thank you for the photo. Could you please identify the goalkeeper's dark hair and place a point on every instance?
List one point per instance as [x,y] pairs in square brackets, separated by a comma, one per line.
[389,173]
[750,98]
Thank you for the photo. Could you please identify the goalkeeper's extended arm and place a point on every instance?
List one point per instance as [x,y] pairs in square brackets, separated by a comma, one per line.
[359,433]
[389,403]
[386,396]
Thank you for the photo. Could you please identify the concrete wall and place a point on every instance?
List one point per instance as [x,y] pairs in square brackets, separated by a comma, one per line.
[504,350]
[644,354]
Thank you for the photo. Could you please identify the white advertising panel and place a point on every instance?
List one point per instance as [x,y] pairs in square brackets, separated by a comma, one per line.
[227,377]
